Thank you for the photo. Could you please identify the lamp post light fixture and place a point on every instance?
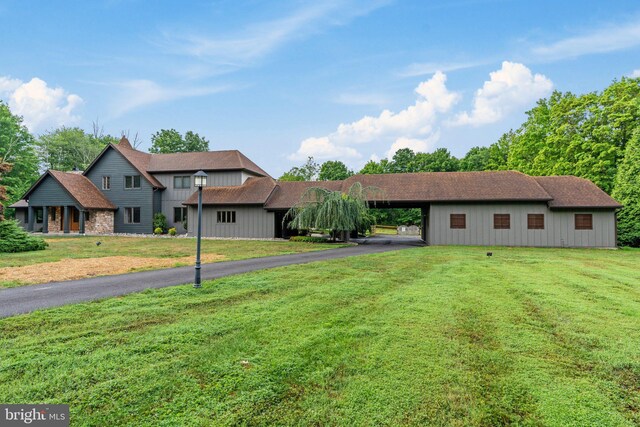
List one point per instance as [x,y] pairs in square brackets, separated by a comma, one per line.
[199,180]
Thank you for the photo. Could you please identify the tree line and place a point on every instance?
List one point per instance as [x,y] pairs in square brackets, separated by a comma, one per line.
[594,136]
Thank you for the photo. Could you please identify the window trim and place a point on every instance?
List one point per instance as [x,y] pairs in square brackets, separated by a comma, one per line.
[133,215]
[182,178]
[133,182]
[533,221]
[460,220]
[108,181]
[583,226]
[499,222]
[225,217]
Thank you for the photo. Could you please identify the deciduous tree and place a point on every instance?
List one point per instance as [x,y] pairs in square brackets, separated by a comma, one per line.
[67,148]
[627,192]
[171,141]
[307,172]
[17,147]
[334,170]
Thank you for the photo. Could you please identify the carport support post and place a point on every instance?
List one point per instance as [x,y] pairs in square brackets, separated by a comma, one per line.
[45,219]
[424,222]
[66,219]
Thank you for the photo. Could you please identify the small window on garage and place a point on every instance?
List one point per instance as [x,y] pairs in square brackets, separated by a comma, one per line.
[535,221]
[226,217]
[501,221]
[458,221]
[584,221]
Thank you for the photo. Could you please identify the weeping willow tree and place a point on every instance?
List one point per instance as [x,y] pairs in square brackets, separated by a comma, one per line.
[336,211]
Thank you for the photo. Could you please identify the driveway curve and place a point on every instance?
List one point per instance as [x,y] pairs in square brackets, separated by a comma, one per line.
[26,299]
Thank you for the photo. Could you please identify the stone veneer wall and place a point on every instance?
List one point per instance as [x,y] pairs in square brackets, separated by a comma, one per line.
[100,222]
[55,226]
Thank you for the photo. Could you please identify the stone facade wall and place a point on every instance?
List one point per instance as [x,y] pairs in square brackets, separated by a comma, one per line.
[55,226]
[100,222]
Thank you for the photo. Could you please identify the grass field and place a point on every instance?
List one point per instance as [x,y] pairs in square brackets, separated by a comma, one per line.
[424,336]
[77,257]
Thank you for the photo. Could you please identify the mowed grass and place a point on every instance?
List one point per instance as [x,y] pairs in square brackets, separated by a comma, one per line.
[424,336]
[147,248]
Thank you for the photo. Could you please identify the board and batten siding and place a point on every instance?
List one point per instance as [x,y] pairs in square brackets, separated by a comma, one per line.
[113,164]
[251,222]
[559,226]
[173,197]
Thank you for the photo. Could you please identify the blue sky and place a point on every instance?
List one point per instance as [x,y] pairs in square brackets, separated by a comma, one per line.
[282,80]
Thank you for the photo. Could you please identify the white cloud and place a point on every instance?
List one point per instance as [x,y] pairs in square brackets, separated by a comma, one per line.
[635,73]
[601,40]
[511,87]
[416,145]
[322,148]
[138,93]
[40,105]
[414,123]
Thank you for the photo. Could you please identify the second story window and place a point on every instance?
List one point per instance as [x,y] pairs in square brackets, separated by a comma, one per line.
[182,182]
[131,182]
[106,183]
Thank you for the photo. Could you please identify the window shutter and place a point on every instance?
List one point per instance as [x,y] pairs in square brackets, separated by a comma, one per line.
[458,221]
[584,221]
[501,221]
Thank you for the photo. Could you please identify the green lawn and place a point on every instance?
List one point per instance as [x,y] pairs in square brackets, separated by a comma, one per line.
[141,252]
[425,336]
[85,247]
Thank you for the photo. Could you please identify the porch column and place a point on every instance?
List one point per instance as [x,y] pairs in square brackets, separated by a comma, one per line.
[30,218]
[45,219]
[66,219]
[82,213]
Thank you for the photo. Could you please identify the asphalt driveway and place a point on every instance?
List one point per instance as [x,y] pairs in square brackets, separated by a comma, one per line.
[29,298]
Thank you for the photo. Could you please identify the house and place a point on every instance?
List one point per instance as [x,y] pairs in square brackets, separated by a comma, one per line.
[123,188]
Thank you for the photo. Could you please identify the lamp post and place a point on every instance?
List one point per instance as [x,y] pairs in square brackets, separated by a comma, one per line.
[199,180]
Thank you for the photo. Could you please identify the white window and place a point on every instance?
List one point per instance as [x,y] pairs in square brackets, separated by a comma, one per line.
[106,183]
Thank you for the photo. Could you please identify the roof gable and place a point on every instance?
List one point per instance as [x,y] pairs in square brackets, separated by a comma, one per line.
[139,160]
[76,186]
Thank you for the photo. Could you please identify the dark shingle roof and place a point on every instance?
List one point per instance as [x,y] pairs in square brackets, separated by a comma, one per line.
[574,192]
[138,159]
[288,193]
[255,191]
[82,189]
[499,186]
[207,160]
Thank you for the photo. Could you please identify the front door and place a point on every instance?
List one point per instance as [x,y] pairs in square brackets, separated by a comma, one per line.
[74,224]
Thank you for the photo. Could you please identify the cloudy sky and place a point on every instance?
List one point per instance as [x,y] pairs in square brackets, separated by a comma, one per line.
[333,79]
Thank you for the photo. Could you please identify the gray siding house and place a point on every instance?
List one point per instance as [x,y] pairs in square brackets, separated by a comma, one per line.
[123,188]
